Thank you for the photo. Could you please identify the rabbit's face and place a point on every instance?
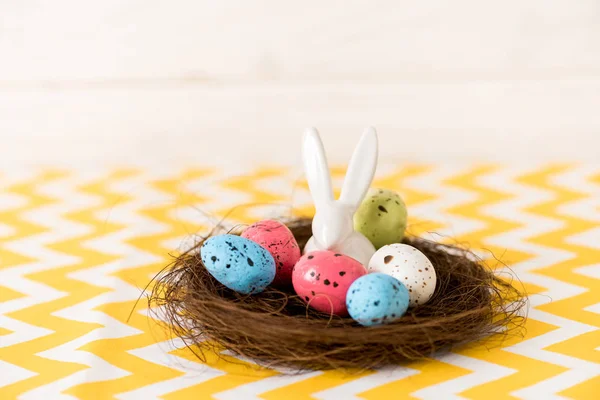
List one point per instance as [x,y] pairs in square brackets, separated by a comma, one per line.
[332,225]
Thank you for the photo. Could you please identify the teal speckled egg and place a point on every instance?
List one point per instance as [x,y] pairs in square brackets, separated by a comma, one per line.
[381,217]
[238,263]
[376,298]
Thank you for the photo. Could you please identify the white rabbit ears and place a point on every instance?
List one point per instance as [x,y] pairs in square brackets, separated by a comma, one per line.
[361,168]
[316,167]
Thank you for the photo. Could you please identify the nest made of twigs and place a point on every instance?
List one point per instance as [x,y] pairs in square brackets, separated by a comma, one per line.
[277,328]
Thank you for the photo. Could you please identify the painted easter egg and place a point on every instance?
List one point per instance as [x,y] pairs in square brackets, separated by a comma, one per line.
[409,266]
[381,217]
[376,299]
[238,263]
[278,240]
[322,278]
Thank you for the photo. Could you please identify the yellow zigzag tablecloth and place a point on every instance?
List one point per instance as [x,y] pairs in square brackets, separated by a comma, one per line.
[77,247]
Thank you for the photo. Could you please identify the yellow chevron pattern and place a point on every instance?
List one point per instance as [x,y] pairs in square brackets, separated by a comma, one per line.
[77,248]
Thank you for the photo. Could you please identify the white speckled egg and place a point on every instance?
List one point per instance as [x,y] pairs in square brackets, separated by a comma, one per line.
[411,267]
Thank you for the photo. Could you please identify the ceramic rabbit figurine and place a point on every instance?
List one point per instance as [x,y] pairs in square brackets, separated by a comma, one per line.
[332,226]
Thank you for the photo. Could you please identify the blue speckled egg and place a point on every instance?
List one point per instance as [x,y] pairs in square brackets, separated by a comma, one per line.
[376,298]
[238,263]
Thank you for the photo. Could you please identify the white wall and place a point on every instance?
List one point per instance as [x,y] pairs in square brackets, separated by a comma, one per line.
[221,80]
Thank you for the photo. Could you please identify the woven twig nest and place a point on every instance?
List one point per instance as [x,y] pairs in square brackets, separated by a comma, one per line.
[277,328]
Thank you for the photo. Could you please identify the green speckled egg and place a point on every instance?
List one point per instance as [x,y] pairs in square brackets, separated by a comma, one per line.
[381,217]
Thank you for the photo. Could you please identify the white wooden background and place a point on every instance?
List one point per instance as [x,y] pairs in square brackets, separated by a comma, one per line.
[212,81]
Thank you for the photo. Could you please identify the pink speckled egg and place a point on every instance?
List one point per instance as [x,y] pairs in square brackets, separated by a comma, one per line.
[322,278]
[278,240]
